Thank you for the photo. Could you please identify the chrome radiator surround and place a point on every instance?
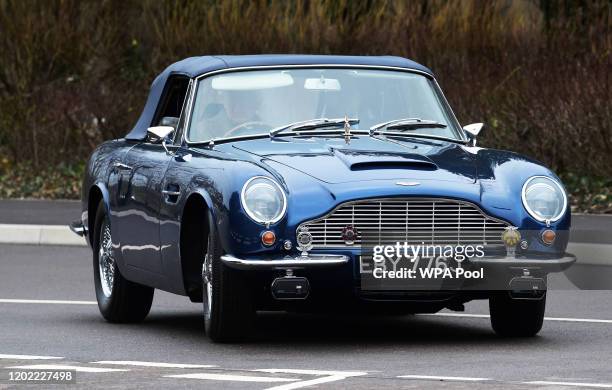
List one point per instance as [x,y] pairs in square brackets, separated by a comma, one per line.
[414,220]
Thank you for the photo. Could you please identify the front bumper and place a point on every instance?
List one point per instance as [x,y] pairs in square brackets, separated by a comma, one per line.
[318,260]
[545,265]
[298,262]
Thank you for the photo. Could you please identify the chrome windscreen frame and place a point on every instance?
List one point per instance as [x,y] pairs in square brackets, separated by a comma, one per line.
[186,141]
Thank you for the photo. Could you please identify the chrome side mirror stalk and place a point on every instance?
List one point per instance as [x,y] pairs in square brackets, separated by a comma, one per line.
[159,134]
[473,130]
[168,152]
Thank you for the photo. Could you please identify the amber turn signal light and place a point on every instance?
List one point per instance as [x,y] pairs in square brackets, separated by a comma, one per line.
[268,238]
[548,236]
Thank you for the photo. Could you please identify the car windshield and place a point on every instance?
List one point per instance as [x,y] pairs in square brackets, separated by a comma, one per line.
[246,103]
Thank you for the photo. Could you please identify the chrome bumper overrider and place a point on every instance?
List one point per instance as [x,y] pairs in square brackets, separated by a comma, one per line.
[312,260]
[78,228]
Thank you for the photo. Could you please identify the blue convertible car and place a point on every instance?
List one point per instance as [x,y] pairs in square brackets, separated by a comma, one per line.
[278,182]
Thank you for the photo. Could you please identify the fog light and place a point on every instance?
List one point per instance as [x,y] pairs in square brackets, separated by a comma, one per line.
[268,238]
[548,236]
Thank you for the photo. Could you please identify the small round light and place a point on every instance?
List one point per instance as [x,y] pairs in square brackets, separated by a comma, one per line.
[268,238]
[548,236]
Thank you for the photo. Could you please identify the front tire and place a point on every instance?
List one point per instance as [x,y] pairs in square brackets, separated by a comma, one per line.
[119,299]
[516,317]
[228,305]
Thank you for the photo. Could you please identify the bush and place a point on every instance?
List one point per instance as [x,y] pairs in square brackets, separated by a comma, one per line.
[73,73]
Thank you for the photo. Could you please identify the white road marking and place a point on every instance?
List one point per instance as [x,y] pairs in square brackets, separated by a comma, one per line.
[444,378]
[28,357]
[560,319]
[328,376]
[576,384]
[67,367]
[229,377]
[310,382]
[309,372]
[152,364]
[48,301]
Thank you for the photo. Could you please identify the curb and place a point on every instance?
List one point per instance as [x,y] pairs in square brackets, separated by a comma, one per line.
[39,235]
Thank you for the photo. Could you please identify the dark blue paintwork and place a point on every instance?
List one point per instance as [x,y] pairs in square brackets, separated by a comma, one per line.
[317,174]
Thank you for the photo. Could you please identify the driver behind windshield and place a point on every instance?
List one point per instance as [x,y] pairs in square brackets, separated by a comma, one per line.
[229,114]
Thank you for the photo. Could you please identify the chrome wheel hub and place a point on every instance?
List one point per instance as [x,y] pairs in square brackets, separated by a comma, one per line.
[106,261]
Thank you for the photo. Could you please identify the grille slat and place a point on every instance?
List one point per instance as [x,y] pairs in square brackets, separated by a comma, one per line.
[432,221]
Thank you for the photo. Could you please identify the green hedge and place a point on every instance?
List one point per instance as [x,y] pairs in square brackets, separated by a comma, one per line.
[74,73]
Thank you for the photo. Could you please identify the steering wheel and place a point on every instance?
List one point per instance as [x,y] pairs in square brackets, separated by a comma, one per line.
[244,126]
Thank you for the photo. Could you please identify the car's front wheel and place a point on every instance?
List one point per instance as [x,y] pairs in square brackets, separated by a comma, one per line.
[228,303]
[512,317]
[119,299]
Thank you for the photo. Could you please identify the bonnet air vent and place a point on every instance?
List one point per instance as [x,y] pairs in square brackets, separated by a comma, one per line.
[403,164]
[361,160]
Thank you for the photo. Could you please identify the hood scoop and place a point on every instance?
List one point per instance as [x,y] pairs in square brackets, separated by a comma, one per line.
[361,160]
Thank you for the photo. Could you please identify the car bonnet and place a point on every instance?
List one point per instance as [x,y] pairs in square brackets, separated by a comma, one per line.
[334,160]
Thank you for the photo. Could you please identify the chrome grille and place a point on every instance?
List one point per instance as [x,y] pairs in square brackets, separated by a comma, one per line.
[429,221]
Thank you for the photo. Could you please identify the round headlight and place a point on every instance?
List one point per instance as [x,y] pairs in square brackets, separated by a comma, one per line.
[263,200]
[544,198]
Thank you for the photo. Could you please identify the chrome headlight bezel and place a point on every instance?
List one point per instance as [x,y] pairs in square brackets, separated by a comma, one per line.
[250,213]
[555,185]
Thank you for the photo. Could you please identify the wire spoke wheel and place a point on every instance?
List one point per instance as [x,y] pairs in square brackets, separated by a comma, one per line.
[106,261]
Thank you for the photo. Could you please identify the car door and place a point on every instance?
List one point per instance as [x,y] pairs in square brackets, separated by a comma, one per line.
[144,167]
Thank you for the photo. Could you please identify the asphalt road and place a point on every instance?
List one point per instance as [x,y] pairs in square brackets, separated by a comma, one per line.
[60,320]
[42,212]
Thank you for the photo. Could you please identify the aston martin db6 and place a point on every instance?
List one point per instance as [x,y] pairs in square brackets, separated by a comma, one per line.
[313,183]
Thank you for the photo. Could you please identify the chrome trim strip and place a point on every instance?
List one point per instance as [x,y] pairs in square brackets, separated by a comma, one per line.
[559,264]
[187,141]
[462,132]
[312,260]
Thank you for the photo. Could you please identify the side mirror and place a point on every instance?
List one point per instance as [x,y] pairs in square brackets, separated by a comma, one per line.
[473,130]
[159,134]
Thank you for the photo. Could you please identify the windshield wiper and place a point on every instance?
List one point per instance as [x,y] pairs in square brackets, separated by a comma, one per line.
[407,124]
[311,124]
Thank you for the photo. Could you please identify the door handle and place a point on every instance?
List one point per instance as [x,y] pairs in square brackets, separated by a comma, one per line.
[122,167]
[171,193]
